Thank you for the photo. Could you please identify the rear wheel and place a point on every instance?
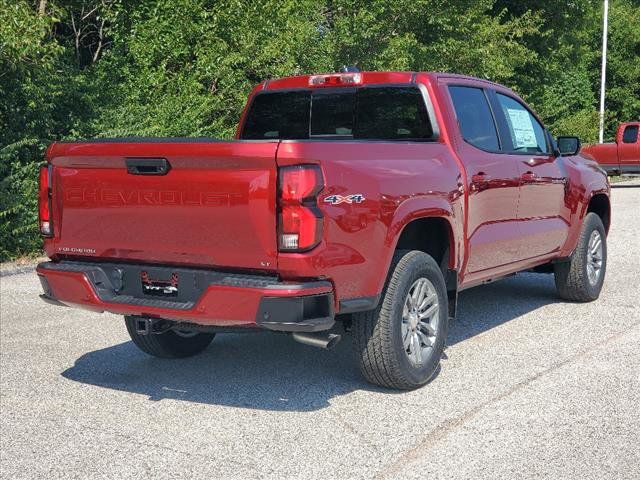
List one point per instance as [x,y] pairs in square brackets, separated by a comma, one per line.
[170,344]
[581,278]
[399,345]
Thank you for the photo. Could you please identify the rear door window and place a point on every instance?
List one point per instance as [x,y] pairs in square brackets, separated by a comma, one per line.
[474,117]
[630,134]
[366,113]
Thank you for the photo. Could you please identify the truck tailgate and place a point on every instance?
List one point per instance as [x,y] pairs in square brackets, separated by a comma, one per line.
[215,206]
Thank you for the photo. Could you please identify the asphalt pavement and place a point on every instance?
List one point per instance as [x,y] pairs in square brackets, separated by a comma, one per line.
[531,387]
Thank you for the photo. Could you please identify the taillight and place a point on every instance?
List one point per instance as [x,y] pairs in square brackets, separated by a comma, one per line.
[299,218]
[44,201]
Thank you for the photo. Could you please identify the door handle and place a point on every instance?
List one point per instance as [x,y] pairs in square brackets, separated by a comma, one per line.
[528,177]
[147,166]
[480,178]
[479,182]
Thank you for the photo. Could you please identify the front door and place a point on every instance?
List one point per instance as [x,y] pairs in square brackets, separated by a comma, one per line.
[543,221]
[629,149]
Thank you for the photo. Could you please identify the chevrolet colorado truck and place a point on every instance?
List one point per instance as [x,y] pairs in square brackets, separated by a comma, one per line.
[621,156]
[361,201]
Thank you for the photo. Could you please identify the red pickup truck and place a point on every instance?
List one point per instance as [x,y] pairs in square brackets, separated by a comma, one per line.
[365,199]
[622,156]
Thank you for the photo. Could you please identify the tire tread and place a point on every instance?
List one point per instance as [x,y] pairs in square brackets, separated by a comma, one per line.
[570,277]
[375,353]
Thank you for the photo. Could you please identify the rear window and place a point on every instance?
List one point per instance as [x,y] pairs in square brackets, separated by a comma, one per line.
[392,114]
[278,115]
[332,113]
[366,113]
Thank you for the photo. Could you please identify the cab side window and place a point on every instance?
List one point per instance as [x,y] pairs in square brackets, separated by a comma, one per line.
[474,117]
[525,132]
[630,134]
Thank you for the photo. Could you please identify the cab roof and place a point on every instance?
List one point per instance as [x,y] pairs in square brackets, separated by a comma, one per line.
[369,78]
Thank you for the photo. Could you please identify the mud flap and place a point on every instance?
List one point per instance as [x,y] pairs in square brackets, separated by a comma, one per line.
[451,282]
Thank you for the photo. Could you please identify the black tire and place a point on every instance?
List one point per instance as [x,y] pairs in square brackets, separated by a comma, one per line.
[377,335]
[572,279]
[168,344]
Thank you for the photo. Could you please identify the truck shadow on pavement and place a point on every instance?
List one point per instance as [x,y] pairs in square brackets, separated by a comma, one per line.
[272,372]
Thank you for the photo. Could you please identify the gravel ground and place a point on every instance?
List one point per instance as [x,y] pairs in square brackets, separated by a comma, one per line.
[532,387]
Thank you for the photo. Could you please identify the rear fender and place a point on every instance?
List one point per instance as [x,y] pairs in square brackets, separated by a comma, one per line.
[414,209]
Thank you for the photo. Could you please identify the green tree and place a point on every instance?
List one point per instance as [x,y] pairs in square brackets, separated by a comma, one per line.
[193,80]
[623,65]
[28,112]
[74,69]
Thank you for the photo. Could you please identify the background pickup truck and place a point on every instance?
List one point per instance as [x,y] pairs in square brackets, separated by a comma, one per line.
[622,156]
[366,200]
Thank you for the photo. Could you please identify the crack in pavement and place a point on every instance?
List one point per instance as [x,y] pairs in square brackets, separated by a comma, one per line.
[448,426]
[136,441]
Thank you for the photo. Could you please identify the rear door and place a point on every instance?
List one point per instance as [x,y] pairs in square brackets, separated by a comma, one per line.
[542,217]
[171,202]
[493,182]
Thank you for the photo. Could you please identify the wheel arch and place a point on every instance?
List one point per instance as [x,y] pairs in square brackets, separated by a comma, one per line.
[432,231]
[596,200]
[432,235]
[600,204]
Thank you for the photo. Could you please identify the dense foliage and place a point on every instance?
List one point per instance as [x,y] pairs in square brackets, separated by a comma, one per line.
[84,68]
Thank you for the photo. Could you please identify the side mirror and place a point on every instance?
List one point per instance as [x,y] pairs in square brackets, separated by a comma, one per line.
[568,145]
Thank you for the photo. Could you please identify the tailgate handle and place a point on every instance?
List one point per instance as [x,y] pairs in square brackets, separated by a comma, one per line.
[147,166]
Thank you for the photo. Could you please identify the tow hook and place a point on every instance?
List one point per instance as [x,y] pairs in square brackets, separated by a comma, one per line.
[326,341]
[151,326]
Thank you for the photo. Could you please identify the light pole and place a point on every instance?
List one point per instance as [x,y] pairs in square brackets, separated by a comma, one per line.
[603,75]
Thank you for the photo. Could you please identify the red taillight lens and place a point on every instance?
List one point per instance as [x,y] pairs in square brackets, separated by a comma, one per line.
[300,220]
[44,201]
[299,183]
[299,228]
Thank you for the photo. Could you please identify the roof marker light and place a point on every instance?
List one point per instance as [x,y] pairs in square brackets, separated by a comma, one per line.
[335,80]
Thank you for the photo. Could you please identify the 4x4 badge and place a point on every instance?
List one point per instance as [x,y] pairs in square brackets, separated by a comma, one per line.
[338,199]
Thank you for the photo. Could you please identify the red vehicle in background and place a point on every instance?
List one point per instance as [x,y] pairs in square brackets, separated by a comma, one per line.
[622,156]
[361,200]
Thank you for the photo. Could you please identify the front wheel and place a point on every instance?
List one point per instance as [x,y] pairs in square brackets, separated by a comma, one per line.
[581,278]
[400,343]
[170,344]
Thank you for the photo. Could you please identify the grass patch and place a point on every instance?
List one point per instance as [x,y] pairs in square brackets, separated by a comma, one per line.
[623,178]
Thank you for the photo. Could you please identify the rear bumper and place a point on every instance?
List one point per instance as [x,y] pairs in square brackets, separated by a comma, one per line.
[204,297]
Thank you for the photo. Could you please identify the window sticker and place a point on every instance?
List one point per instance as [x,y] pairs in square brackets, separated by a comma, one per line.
[524,135]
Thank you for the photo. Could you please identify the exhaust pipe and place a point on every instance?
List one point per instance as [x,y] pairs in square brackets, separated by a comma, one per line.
[317,339]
